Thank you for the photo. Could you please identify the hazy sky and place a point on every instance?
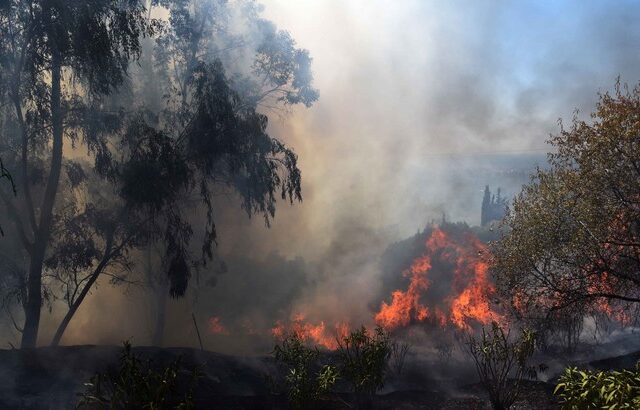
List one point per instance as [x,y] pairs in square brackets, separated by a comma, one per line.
[404,82]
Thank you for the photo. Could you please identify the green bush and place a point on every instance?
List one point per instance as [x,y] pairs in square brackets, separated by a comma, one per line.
[502,363]
[578,389]
[304,386]
[364,358]
[136,385]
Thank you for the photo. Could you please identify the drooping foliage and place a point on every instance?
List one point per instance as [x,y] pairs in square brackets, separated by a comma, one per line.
[58,60]
[167,112]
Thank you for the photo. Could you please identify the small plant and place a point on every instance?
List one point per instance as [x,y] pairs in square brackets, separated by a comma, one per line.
[364,359]
[304,386]
[444,350]
[136,385]
[578,389]
[502,363]
[399,352]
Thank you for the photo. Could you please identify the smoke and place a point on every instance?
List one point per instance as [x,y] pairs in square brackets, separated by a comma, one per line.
[415,95]
[421,105]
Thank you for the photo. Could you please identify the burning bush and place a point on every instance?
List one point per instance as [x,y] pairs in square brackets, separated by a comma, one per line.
[573,233]
[497,358]
[579,389]
[449,286]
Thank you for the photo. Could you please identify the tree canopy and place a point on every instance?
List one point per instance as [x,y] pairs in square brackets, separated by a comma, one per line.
[573,234]
[166,110]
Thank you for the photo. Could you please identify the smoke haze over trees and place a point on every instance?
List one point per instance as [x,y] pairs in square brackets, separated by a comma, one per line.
[80,218]
[422,106]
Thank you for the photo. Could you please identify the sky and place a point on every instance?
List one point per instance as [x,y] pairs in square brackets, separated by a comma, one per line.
[414,95]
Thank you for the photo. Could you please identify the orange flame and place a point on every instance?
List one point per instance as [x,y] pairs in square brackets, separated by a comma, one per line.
[216,327]
[319,334]
[470,289]
[604,283]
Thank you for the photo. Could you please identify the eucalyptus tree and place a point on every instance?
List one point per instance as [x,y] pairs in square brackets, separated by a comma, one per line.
[58,58]
[68,85]
[266,72]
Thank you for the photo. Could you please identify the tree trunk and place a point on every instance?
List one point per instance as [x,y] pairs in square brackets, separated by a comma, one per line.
[34,300]
[87,287]
[161,315]
[34,281]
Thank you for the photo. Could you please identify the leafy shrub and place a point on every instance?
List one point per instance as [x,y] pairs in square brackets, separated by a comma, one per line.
[364,358]
[579,389]
[304,386]
[502,363]
[136,385]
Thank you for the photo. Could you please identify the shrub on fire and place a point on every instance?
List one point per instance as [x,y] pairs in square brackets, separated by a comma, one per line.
[304,386]
[578,389]
[364,358]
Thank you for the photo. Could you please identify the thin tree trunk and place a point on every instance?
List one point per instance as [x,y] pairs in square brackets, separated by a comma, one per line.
[161,315]
[76,303]
[34,285]
[34,301]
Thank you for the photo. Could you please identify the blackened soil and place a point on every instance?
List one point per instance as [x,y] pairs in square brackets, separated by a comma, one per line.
[51,378]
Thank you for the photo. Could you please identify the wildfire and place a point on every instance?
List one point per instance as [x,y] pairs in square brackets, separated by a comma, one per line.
[603,283]
[216,327]
[319,334]
[449,286]
[469,290]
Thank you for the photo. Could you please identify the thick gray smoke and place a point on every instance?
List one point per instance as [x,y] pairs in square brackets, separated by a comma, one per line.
[421,105]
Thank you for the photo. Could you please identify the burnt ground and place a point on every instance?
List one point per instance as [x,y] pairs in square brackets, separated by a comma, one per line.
[51,378]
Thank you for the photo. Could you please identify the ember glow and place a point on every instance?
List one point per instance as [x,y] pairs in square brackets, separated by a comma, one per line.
[216,327]
[602,284]
[466,301]
[319,334]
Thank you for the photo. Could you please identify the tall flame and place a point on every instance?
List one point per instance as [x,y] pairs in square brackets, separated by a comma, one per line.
[469,288]
[450,263]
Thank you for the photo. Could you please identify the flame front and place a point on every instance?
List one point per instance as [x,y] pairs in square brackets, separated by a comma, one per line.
[469,291]
[319,334]
[449,286]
